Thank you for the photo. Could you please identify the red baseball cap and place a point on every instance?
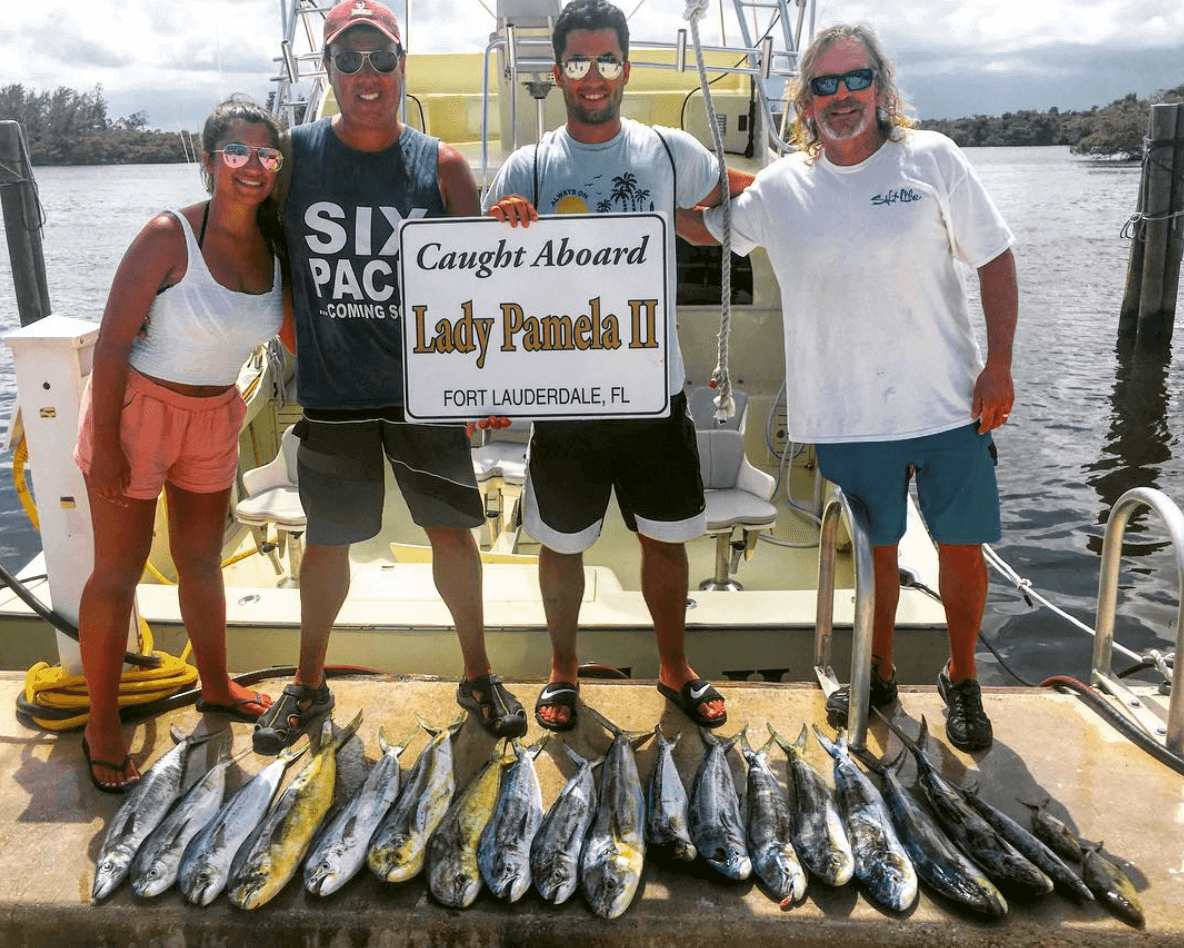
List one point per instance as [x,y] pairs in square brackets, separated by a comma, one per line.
[351,13]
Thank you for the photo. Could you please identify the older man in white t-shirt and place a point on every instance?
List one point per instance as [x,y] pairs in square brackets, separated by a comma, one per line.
[865,227]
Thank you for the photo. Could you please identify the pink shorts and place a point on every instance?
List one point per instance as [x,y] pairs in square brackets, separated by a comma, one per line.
[188,441]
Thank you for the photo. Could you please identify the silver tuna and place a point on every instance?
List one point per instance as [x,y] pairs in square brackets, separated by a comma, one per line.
[555,852]
[717,828]
[668,807]
[340,850]
[881,862]
[818,837]
[205,867]
[143,809]
[504,852]
[159,859]
[770,829]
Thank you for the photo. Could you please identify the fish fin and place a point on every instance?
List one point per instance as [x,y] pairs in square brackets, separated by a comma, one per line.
[829,746]
[383,744]
[405,740]
[573,755]
[768,746]
[799,745]
[602,720]
[781,741]
[292,754]
[638,738]
[913,746]
[537,747]
[347,732]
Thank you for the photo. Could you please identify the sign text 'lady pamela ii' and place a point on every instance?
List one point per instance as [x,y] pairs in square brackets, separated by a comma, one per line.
[564,319]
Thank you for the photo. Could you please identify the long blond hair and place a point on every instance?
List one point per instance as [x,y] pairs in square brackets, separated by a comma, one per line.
[893,118]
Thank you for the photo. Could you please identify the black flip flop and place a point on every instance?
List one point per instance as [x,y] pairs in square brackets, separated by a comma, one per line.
[122,766]
[690,696]
[558,694]
[235,710]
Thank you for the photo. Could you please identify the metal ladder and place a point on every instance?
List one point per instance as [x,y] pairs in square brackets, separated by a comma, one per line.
[796,34]
[1169,734]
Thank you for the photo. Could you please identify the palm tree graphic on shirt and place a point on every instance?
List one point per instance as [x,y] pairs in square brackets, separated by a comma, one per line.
[628,194]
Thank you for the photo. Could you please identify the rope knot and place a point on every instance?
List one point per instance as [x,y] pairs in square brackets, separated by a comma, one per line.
[695,11]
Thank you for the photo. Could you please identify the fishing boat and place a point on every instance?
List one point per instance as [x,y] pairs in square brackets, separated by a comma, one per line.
[780,601]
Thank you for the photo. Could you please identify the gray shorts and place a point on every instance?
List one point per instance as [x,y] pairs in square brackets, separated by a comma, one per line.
[340,470]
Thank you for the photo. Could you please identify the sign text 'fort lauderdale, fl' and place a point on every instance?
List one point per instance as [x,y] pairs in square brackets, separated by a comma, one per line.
[564,319]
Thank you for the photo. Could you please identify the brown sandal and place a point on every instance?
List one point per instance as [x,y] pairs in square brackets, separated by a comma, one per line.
[499,712]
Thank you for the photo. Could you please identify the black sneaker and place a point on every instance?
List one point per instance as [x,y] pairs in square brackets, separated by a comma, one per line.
[967,725]
[881,694]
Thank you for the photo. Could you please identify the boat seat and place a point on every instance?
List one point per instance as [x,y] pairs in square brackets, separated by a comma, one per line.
[499,461]
[273,499]
[736,493]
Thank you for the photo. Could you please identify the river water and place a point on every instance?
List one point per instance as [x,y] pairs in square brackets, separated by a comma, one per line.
[1089,423]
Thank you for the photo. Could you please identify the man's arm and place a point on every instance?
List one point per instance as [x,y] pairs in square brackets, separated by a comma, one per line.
[737,182]
[688,222]
[994,393]
[458,188]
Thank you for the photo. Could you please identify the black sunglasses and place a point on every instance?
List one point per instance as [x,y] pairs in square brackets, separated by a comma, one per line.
[350,61]
[856,81]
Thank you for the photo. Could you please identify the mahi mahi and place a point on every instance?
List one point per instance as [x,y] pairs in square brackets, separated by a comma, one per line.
[1059,838]
[667,810]
[340,851]
[1030,847]
[555,852]
[770,829]
[158,861]
[205,867]
[146,805]
[819,837]
[614,852]
[938,862]
[454,877]
[503,855]
[1110,885]
[881,862]
[269,859]
[400,843]
[717,828]
[972,834]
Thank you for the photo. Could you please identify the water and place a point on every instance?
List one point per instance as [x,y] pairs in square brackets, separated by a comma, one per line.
[1086,427]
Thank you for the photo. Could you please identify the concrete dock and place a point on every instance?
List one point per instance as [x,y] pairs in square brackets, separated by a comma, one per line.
[1046,745]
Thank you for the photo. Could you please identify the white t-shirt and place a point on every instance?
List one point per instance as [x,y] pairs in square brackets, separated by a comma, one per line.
[879,345]
[630,173]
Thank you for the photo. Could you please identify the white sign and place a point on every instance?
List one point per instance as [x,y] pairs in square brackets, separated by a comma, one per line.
[566,318]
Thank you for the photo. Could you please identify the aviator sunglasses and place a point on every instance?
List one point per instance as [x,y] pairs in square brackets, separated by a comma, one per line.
[349,61]
[236,154]
[856,81]
[607,65]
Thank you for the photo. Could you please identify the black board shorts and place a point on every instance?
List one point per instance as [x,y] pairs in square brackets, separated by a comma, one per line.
[652,464]
[340,471]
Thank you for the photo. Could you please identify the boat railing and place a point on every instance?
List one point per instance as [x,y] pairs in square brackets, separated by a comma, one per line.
[837,505]
[1102,675]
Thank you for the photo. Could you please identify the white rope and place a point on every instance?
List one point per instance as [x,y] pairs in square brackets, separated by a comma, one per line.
[725,408]
[1025,588]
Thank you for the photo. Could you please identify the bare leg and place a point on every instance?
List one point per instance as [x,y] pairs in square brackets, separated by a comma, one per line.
[887,587]
[324,584]
[664,584]
[963,582]
[196,526]
[456,569]
[561,578]
[122,539]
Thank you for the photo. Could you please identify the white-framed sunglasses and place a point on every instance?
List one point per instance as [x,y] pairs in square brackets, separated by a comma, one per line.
[609,67]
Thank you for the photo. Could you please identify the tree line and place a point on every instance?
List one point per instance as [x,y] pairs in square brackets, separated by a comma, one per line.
[67,127]
[1116,130]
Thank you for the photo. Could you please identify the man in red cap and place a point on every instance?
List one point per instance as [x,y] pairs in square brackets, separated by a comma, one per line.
[354,178]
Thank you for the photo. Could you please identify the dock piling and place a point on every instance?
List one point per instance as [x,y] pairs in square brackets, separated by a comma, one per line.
[22,225]
[1153,271]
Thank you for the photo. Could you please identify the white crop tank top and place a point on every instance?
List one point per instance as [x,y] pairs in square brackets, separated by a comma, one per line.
[201,333]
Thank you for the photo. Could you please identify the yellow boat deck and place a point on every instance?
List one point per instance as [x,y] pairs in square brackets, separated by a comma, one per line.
[52,823]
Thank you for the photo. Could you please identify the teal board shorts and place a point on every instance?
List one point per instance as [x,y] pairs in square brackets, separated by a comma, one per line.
[956,486]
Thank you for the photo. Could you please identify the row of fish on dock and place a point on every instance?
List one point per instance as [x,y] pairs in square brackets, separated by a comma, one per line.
[594,837]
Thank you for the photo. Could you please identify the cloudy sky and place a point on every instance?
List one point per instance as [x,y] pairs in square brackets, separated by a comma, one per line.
[173,61]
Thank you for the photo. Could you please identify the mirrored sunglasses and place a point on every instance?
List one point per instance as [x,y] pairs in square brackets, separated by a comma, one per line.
[236,154]
[609,67]
[349,61]
[856,81]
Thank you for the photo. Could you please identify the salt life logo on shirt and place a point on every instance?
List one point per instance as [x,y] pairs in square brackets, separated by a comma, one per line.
[347,286]
[896,196]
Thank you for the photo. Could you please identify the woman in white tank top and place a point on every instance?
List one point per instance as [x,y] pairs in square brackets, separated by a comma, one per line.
[196,291]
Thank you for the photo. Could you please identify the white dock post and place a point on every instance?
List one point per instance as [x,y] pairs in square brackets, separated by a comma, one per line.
[52,358]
